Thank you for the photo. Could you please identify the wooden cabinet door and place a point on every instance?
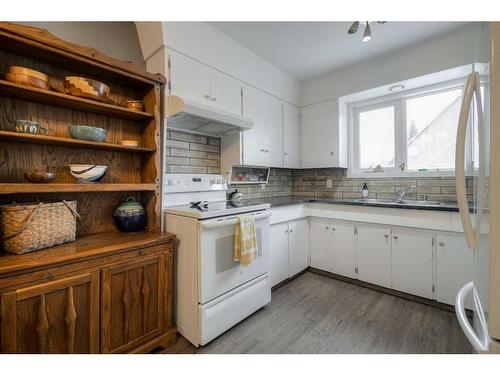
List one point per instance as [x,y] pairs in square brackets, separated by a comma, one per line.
[374,255]
[320,135]
[61,316]
[412,262]
[454,267]
[343,250]
[133,303]
[321,245]
[298,247]
[291,136]
[279,253]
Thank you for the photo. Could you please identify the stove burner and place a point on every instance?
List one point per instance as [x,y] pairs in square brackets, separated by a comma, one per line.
[200,205]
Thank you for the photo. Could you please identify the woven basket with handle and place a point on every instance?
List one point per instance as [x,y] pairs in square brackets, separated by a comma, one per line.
[32,226]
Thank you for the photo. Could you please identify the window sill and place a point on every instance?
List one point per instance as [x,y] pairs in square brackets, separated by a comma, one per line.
[381,175]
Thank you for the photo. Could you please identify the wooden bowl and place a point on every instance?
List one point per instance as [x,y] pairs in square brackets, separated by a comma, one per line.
[29,72]
[135,105]
[86,88]
[39,177]
[28,80]
[129,142]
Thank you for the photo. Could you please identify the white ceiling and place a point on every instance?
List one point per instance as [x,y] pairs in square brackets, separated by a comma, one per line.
[309,49]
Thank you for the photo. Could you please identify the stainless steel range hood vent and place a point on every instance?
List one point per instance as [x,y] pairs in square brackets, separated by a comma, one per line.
[199,118]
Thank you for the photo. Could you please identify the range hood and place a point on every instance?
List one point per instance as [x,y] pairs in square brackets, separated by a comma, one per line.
[199,118]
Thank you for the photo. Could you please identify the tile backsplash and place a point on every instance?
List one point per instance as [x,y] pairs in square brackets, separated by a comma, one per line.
[191,153]
[313,182]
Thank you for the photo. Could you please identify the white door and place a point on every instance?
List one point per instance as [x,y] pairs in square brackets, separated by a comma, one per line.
[321,244]
[412,262]
[225,92]
[343,249]
[190,79]
[291,136]
[454,267]
[319,135]
[374,255]
[298,248]
[279,253]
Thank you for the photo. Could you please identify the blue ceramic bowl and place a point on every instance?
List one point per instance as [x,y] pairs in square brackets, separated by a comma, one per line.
[88,133]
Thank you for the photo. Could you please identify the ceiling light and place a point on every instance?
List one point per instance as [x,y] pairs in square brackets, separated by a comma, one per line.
[396,88]
[367,35]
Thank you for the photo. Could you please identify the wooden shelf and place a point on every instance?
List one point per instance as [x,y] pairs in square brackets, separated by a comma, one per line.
[86,247]
[67,142]
[33,94]
[20,188]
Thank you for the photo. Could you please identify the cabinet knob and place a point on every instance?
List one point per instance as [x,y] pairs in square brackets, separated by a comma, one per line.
[206,96]
[333,228]
[267,150]
[441,244]
[331,153]
[262,150]
[386,235]
[47,275]
[286,230]
[395,237]
[291,230]
[286,153]
[327,227]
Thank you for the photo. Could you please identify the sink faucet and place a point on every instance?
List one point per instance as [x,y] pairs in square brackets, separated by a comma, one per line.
[400,193]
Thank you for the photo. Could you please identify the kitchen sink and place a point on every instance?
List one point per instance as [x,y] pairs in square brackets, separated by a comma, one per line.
[405,202]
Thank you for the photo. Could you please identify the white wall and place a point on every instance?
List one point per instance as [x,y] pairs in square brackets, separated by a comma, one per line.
[116,39]
[450,50]
[206,44]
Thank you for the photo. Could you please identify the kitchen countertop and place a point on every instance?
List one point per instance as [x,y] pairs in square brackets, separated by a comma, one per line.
[296,199]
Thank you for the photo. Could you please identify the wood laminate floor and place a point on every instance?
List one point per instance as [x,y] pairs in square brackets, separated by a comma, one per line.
[318,314]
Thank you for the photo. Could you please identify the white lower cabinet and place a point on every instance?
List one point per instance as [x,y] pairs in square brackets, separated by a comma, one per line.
[374,255]
[298,246]
[279,253]
[321,244]
[454,267]
[412,262]
[343,249]
[289,249]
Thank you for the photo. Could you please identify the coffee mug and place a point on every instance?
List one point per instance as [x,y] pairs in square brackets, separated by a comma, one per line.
[31,127]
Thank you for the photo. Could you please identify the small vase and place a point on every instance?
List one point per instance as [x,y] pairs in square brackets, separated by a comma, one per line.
[130,216]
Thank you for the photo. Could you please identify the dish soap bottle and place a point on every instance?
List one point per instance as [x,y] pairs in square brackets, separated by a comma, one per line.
[364,191]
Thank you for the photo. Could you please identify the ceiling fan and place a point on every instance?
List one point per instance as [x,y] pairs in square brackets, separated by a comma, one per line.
[367,34]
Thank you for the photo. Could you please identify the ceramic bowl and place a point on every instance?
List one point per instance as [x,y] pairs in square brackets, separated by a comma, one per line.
[88,133]
[87,173]
[38,177]
[30,127]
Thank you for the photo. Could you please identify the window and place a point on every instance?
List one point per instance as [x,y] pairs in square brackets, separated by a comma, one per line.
[409,132]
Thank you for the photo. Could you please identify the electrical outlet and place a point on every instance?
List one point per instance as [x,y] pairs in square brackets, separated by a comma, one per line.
[329,183]
[262,186]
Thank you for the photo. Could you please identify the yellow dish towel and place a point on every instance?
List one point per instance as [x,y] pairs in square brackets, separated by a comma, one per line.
[245,241]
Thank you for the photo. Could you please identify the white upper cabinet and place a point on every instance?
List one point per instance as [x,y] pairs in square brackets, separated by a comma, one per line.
[197,82]
[412,262]
[323,142]
[291,136]
[263,143]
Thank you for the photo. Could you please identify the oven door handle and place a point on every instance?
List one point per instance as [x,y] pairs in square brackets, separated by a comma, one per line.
[209,224]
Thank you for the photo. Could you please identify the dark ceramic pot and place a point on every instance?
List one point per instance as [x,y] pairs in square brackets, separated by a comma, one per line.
[130,216]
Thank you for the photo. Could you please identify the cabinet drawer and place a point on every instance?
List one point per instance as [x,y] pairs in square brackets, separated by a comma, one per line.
[50,273]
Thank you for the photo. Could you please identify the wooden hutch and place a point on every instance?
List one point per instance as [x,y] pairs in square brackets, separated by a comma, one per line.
[107,292]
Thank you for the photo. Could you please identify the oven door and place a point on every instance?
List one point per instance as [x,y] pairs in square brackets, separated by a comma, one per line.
[219,273]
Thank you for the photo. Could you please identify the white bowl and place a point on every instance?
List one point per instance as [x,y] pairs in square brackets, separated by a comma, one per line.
[86,173]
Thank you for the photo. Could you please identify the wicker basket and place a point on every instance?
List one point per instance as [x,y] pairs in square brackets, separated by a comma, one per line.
[33,226]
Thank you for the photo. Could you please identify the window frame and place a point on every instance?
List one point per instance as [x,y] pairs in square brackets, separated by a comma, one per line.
[398,100]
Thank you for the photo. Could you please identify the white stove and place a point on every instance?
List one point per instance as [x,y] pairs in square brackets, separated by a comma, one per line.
[213,292]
